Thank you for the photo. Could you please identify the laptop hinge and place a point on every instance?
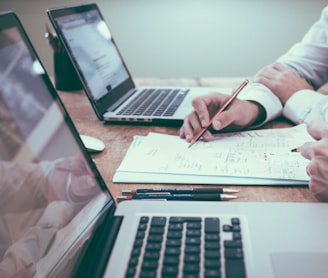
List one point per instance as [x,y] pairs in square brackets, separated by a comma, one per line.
[94,258]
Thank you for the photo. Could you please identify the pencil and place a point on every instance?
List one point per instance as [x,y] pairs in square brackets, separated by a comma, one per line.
[296,150]
[179,190]
[179,197]
[223,108]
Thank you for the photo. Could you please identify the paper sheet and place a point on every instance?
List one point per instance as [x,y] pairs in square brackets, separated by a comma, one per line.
[248,157]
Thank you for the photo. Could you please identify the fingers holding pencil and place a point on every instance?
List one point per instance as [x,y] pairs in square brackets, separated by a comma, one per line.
[214,121]
[317,154]
[237,115]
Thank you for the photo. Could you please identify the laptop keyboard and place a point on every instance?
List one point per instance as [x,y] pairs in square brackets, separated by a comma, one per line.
[187,247]
[154,102]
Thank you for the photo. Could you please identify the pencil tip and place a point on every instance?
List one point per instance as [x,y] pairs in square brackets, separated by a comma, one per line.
[296,150]
[126,191]
[228,197]
[228,190]
[123,198]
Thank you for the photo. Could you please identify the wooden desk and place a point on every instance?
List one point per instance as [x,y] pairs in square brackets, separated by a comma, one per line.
[117,139]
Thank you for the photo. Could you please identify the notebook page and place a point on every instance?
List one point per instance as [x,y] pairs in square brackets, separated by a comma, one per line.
[259,154]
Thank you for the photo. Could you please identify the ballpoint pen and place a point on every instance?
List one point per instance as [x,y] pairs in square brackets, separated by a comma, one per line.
[179,197]
[223,108]
[179,191]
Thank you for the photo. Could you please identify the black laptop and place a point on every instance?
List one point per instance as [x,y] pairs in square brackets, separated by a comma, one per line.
[58,218]
[106,78]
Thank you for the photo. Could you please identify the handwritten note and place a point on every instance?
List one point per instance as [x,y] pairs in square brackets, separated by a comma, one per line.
[258,156]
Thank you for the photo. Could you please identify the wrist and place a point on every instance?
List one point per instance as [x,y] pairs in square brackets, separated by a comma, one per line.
[259,114]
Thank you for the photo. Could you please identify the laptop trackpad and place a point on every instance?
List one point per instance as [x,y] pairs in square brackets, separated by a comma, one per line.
[300,265]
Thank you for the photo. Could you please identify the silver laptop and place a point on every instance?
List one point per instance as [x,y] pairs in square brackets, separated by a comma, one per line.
[58,218]
[106,78]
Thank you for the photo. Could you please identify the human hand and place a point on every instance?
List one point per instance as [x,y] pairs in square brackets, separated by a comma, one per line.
[317,153]
[72,180]
[282,81]
[240,114]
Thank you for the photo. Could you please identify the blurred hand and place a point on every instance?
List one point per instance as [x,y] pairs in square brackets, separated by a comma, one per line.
[317,153]
[72,180]
[240,114]
[282,81]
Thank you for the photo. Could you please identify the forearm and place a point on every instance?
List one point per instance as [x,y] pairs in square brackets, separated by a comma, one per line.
[19,181]
[269,104]
[305,106]
[309,58]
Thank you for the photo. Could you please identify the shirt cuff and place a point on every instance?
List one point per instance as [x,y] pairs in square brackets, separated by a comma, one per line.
[258,93]
[305,106]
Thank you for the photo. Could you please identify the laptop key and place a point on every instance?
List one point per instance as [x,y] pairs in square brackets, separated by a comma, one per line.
[166,103]
[235,268]
[147,274]
[151,256]
[212,264]
[212,225]
[149,265]
[191,268]
[211,273]
[156,230]
[174,234]
[212,237]
[170,271]
[185,241]
[173,107]
[175,227]
[212,245]
[169,251]
[194,225]
[232,243]
[154,106]
[171,260]
[233,253]
[153,246]
[193,241]
[173,242]
[190,249]
[158,221]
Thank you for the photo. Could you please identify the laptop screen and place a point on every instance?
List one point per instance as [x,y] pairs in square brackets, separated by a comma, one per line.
[50,192]
[90,43]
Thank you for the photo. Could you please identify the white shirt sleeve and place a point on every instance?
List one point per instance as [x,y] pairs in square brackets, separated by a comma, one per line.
[305,106]
[256,92]
[309,57]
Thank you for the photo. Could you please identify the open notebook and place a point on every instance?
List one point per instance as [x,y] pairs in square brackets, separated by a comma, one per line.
[58,218]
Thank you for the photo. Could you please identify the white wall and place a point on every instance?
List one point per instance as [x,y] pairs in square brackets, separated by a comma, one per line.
[187,38]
